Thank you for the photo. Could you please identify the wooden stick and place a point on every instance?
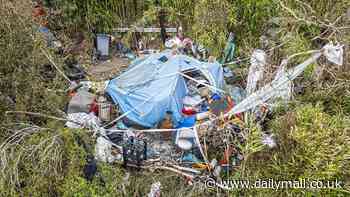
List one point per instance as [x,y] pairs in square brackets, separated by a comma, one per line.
[186,169]
[53,63]
[190,176]
[128,112]
[40,115]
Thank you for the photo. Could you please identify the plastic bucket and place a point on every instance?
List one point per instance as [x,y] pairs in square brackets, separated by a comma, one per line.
[103,44]
[104,111]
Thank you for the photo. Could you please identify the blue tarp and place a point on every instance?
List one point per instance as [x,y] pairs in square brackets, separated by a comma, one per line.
[152,85]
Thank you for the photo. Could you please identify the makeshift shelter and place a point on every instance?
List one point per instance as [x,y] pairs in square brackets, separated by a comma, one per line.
[155,84]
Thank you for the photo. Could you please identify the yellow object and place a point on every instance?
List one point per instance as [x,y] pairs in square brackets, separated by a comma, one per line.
[202,166]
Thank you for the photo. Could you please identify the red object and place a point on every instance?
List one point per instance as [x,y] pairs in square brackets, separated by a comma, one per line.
[38,11]
[227,154]
[94,107]
[231,105]
[188,111]
[71,93]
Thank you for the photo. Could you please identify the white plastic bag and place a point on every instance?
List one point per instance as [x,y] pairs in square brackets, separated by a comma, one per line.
[334,53]
[103,150]
[256,70]
[83,120]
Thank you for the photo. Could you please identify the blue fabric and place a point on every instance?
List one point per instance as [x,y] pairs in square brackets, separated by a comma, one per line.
[150,87]
[49,37]
[189,157]
[215,97]
[43,29]
[187,122]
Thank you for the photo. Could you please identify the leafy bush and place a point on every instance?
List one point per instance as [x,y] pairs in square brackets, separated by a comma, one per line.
[312,145]
[23,76]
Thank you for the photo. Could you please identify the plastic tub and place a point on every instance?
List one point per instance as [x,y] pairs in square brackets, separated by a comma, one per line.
[103,44]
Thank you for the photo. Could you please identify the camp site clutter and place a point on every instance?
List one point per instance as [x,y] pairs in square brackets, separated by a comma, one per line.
[176,109]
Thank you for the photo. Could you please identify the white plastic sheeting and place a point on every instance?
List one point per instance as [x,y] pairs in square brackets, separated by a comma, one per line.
[276,88]
[268,140]
[333,53]
[83,120]
[272,90]
[285,91]
[155,190]
[256,70]
[103,150]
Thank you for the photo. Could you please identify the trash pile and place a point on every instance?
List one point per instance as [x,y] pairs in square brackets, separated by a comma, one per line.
[174,112]
[172,109]
[187,46]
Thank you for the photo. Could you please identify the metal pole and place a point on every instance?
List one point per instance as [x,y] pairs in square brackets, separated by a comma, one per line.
[161,16]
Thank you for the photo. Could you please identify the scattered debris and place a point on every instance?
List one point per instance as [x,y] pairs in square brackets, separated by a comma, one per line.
[174,109]
[155,190]
[102,46]
[229,49]
[237,94]
[268,139]
[80,102]
[151,87]
[134,151]
[287,88]
[271,90]
[90,169]
[104,109]
[83,120]
[334,53]
[256,70]
[103,151]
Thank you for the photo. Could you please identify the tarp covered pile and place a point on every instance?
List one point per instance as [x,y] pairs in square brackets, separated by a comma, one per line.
[155,84]
[160,83]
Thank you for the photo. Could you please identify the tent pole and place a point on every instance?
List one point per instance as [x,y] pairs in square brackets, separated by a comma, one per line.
[128,112]
[195,80]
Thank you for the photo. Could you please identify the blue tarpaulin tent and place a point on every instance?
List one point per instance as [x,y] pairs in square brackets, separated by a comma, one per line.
[153,85]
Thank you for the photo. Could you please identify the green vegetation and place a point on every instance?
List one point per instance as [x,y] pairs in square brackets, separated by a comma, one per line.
[312,145]
[312,131]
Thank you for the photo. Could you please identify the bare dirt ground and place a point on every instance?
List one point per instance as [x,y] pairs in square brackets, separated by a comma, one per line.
[108,69]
